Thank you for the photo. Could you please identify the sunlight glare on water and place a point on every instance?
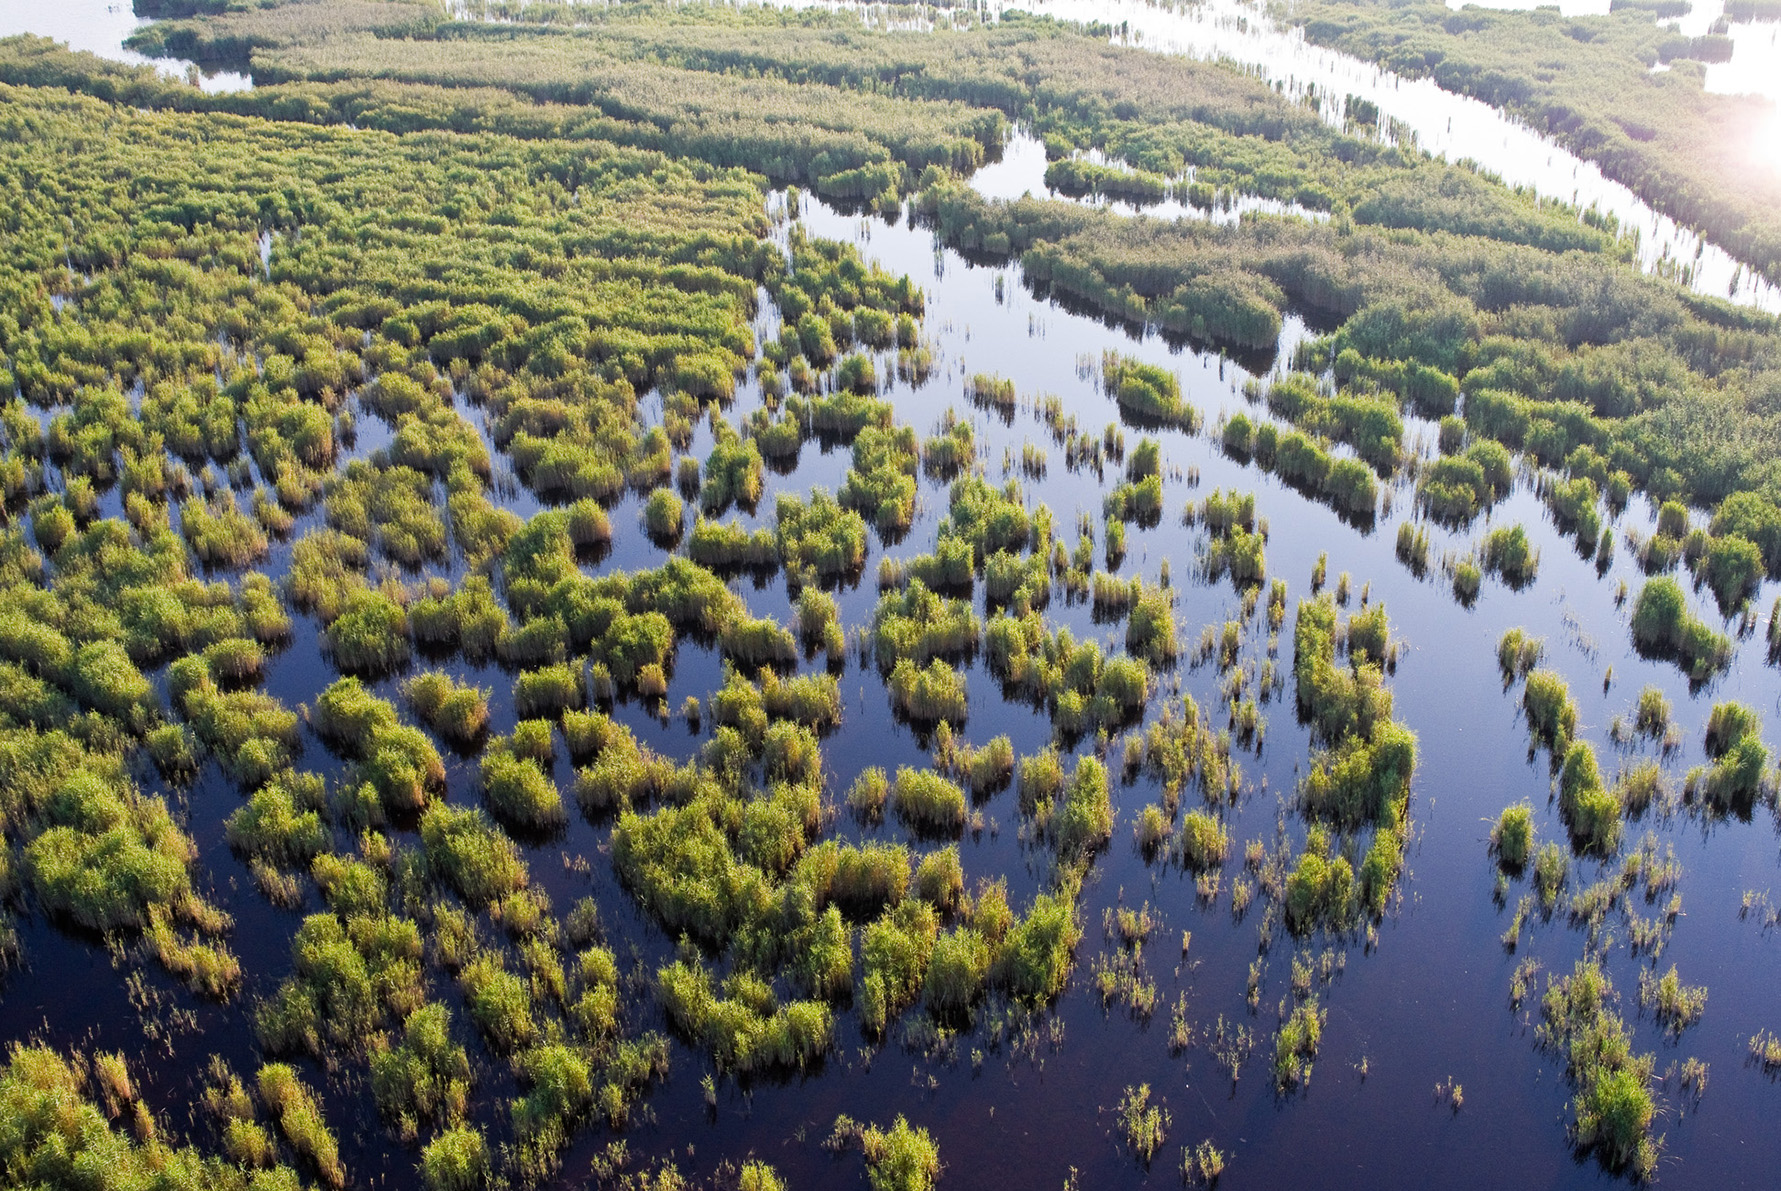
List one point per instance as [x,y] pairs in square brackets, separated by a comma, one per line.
[100,27]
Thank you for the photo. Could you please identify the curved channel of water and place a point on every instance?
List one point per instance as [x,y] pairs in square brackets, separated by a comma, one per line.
[1444,124]
[1447,125]
[100,27]
[1423,1005]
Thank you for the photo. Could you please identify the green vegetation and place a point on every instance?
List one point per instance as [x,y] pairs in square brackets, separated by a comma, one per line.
[1296,1045]
[285,368]
[1512,838]
[1361,779]
[1590,810]
[1506,552]
[60,1137]
[1613,1109]
[927,801]
[1551,714]
[901,1158]
[1656,132]
[1664,627]
[1145,1125]
[1739,761]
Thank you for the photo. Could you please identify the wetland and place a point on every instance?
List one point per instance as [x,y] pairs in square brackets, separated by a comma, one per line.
[708,596]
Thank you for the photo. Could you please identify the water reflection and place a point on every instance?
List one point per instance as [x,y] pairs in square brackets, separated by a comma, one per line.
[100,27]
[1446,125]
[1021,172]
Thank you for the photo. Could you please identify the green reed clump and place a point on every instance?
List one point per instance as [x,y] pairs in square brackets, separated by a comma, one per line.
[107,857]
[929,694]
[298,1113]
[1613,1109]
[951,568]
[664,516]
[1340,701]
[819,623]
[957,969]
[901,1158]
[499,1003]
[1297,1044]
[1732,567]
[820,537]
[1240,554]
[1146,390]
[624,774]
[425,1078]
[863,880]
[1736,776]
[822,956]
[881,482]
[894,951]
[1663,626]
[1675,1005]
[1320,890]
[104,679]
[1651,716]
[1727,724]
[758,641]
[519,791]
[220,533]
[1551,870]
[1145,1125]
[537,641]
[1507,552]
[984,768]
[940,879]
[1081,819]
[470,854]
[868,794]
[1140,501]
[235,660]
[1150,627]
[1454,488]
[458,713]
[456,1160]
[1413,547]
[1551,713]
[733,474]
[349,714]
[928,802]
[1512,838]
[370,636]
[1467,578]
[1362,780]
[946,454]
[589,526]
[282,823]
[1041,781]
[1518,653]
[1204,841]
[679,864]
[470,619]
[548,690]
[396,760]
[744,1026]
[991,390]
[1590,811]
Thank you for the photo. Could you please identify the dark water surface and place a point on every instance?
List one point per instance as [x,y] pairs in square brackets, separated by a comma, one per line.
[1426,1005]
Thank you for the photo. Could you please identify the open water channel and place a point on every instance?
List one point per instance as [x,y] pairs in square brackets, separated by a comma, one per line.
[1424,1006]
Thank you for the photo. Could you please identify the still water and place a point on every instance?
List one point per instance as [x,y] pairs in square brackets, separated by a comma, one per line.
[1444,124]
[1427,1005]
[100,27]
